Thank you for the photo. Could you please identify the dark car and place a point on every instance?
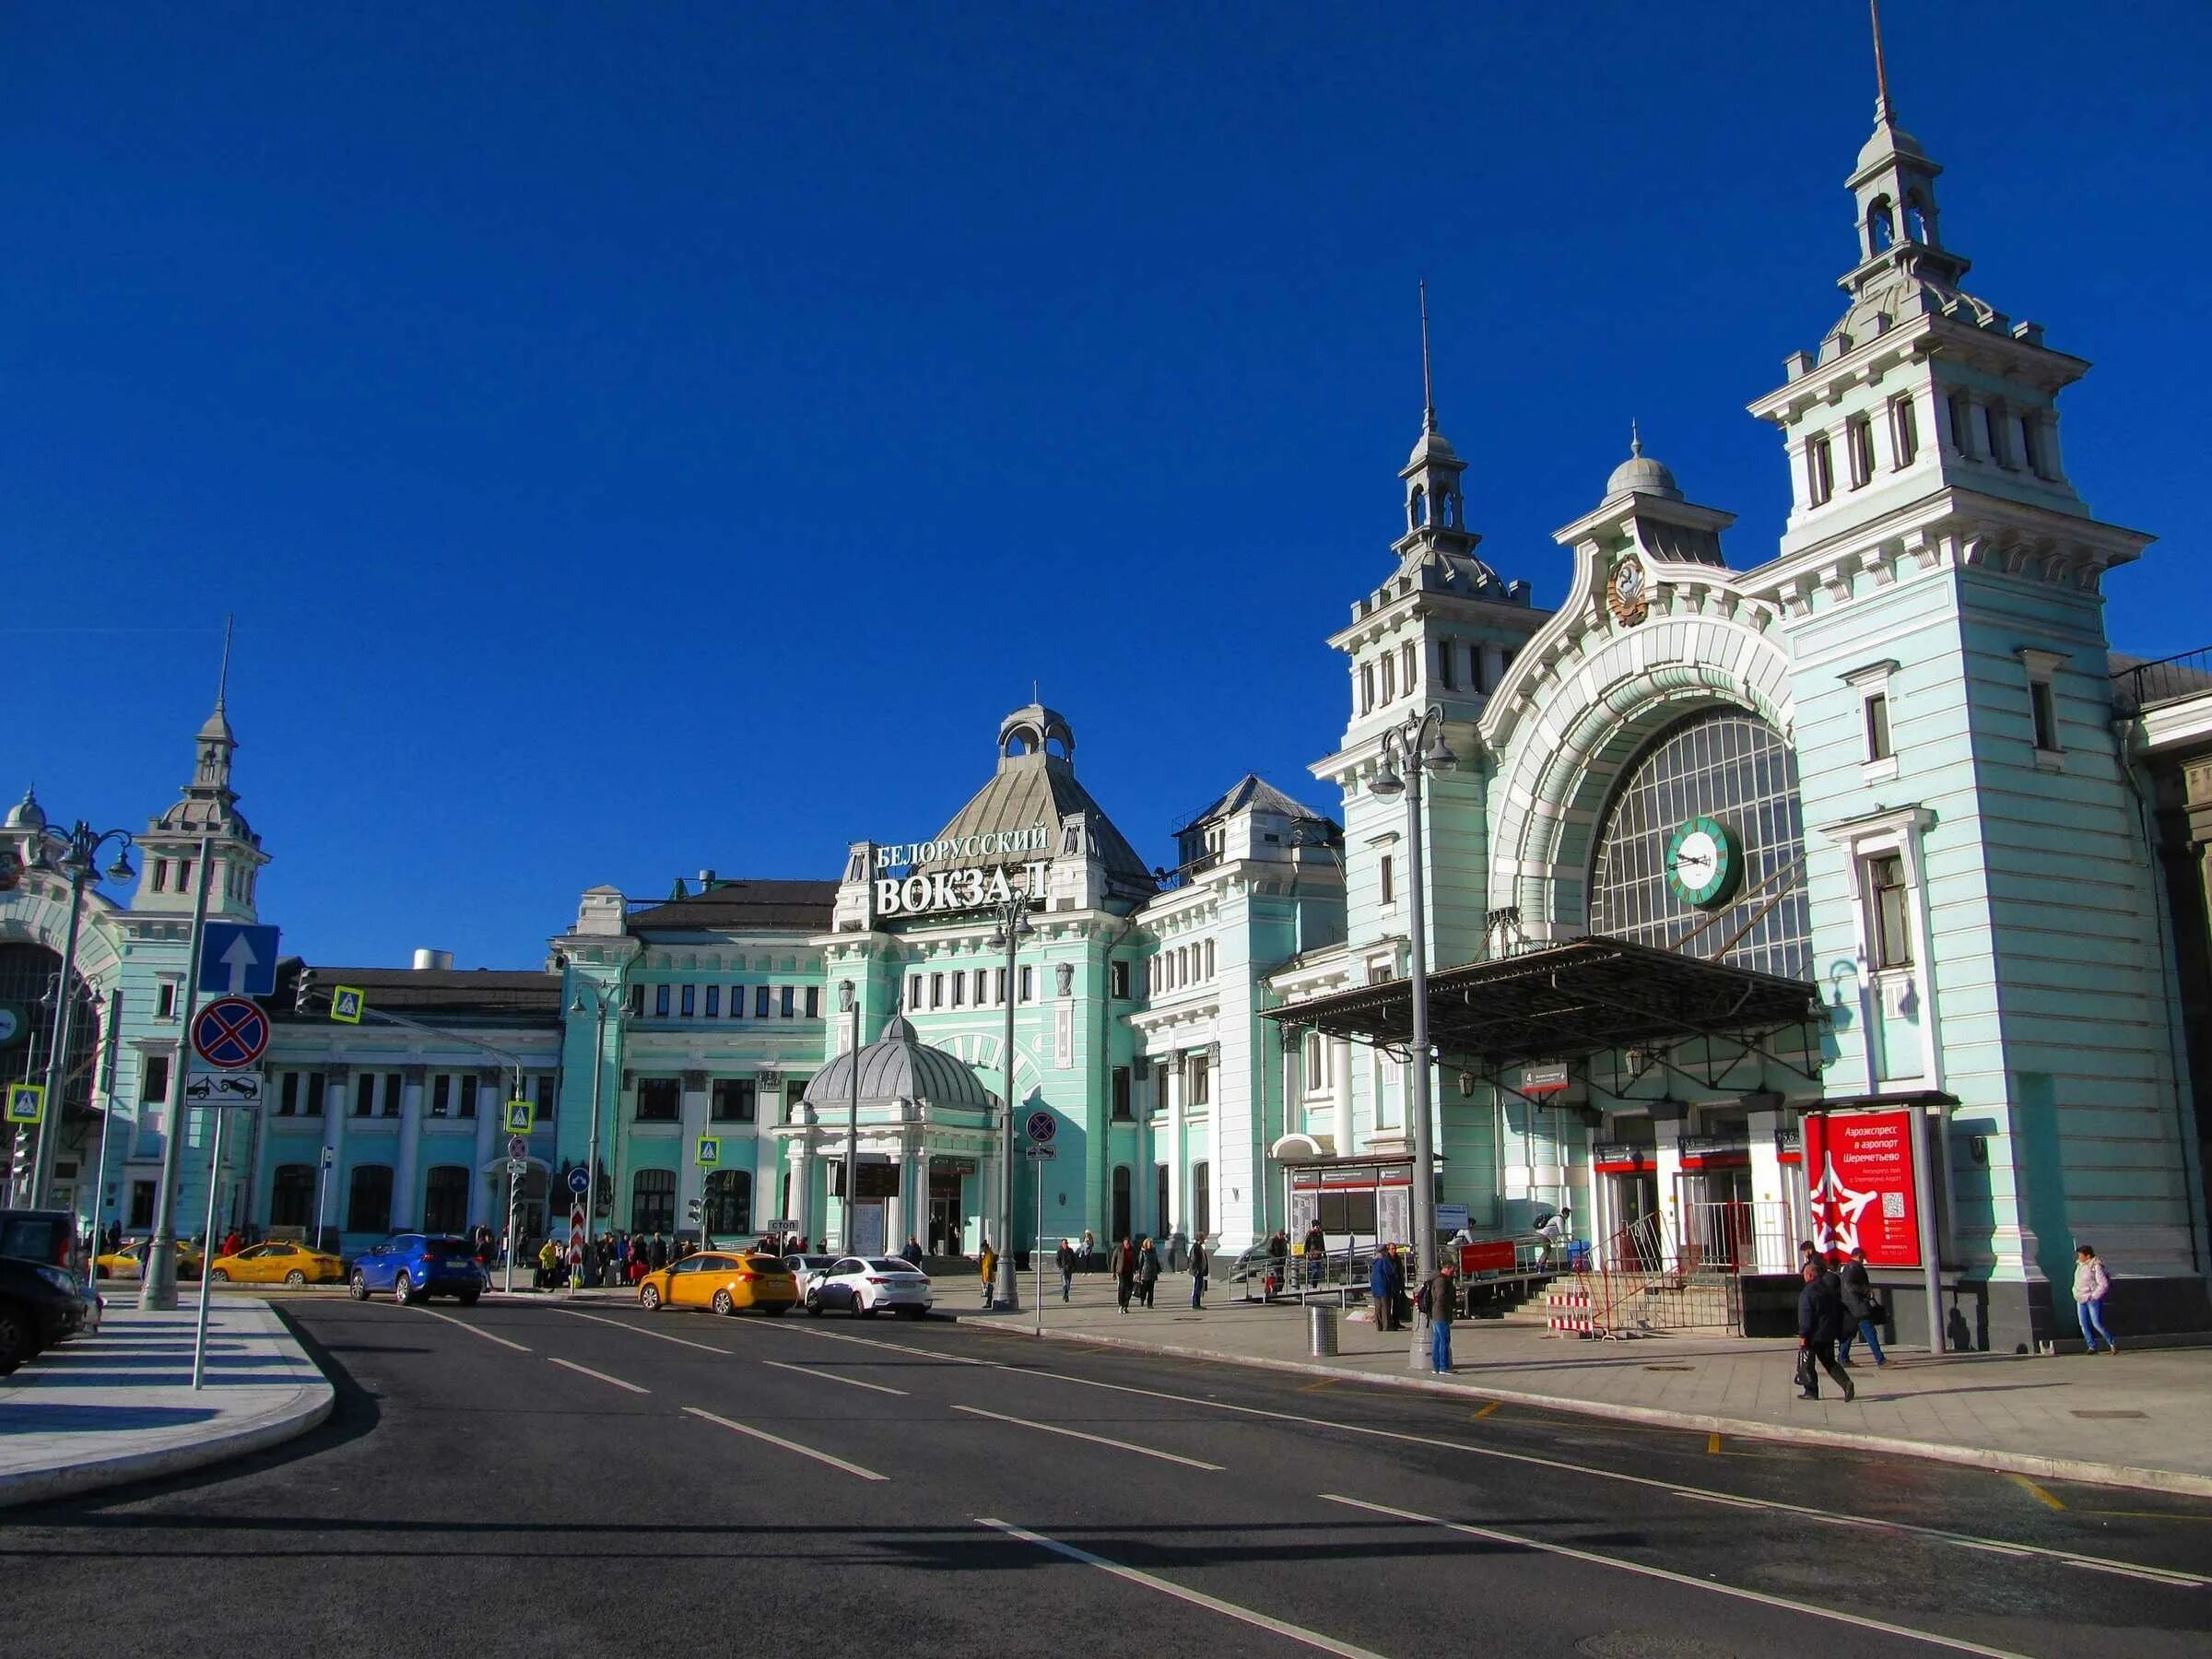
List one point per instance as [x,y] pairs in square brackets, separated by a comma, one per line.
[40,1304]
[416,1265]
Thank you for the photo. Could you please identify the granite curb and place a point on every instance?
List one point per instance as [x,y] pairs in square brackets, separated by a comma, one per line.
[2010,1463]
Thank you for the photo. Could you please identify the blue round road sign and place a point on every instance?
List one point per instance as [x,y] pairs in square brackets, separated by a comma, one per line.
[579,1180]
[1042,1127]
[229,1033]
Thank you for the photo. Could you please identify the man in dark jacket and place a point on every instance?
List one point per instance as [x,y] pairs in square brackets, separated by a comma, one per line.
[1316,1254]
[1441,1297]
[1383,1288]
[1861,1312]
[1819,1322]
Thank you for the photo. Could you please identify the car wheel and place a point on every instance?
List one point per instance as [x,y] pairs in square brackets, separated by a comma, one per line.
[357,1285]
[724,1303]
[221,1276]
[649,1298]
[814,1303]
[860,1307]
[402,1287]
[15,1339]
[295,1278]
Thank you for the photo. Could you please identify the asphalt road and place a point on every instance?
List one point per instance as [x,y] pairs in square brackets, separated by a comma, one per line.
[525,1478]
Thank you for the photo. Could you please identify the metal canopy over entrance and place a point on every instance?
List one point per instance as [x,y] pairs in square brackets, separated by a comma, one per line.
[1567,1002]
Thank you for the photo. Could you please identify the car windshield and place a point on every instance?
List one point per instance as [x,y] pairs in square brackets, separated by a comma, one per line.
[763,1263]
[890,1264]
[437,1248]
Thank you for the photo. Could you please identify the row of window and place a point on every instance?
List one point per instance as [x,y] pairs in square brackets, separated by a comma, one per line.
[687,1001]
[445,1191]
[1858,450]
[447,1094]
[1396,674]
[1190,964]
[2042,715]
[965,987]
[1985,431]
[730,1100]
[237,878]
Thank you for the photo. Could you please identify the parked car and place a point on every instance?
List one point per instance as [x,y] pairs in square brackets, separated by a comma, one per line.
[279,1262]
[724,1281]
[805,1269]
[864,1286]
[42,1235]
[128,1261]
[416,1266]
[40,1305]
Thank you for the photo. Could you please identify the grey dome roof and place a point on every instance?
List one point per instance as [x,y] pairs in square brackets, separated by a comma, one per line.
[1640,472]
[899,1065]
[1889,139]
[27,814]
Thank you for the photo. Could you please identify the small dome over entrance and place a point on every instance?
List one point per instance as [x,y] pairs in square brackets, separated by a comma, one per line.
[1034,729]
[899,1067]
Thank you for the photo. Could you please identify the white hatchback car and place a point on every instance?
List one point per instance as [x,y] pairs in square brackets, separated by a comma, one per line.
[867,1285]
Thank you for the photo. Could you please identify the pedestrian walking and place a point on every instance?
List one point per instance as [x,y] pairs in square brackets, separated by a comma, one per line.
[1316,1252]
[1064,1259]
[547,1256]
[657,1252]
[2092,1283]
[1819,1322]
[1147,1271]
[1124,1273]
[990,1272]
[1198,1271]
[1862,1313]
[1383,1290]
[1090,1246]
[1438,1299]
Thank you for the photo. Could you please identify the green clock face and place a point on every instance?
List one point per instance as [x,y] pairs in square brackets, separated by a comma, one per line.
[1703,863]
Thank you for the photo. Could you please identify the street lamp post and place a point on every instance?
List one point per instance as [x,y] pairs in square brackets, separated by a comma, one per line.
[79,862]
[1399,770]
[157,1284]
[849,994]
[1013,926]
[604,1003]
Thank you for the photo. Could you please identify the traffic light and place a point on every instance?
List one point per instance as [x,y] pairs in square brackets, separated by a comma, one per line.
[691,1210]
[18,1175]
[302,989]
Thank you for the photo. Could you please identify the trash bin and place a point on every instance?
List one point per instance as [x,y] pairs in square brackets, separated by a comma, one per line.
[1321,1333]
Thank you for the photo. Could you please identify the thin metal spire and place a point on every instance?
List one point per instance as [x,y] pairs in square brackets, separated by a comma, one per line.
[1881,69]
[1635,439]
[1428,383]
[222,681]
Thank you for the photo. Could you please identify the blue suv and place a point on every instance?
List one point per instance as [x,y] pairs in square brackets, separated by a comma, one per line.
[414,1266]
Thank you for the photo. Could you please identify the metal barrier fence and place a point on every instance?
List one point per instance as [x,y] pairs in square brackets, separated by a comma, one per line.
[2143,684]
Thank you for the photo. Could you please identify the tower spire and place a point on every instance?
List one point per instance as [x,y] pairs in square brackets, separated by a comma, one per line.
[222,679]
[1882,111]
[1428,380]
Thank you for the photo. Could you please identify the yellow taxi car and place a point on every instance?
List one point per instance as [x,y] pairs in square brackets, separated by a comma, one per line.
[128,1261]
[725,1281]
[279,1262]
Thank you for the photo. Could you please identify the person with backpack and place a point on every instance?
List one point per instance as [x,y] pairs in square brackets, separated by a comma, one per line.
[1438,1299]
[1819,1322]
[2092,1283]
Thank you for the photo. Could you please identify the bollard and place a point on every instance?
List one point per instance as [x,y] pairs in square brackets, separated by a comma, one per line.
[1322,1333]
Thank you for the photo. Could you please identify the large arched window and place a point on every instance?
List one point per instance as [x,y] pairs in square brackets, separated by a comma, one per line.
[730,1202]
[653,1201]
[1736,771]
[292,1195]
[445,1199]
[369,1199]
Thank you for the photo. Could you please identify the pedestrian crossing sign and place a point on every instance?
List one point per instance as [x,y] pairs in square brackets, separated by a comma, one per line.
[346,1002]
[26,1103]
[520,1116]
[709,1149]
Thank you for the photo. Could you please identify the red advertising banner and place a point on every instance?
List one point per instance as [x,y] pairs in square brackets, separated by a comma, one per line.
[1492,1255]
[1859,1166]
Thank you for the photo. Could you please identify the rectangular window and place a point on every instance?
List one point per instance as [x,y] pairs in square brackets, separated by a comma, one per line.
[760,996]
[142,1203]
[788,1004]
[318,1090]
[161,874]
[288,1095]
[1029,982]
[814,1002]
[441,1095]
[1408,659]
[471,1085]
[1199,1074]
[1122,1113]
[1904,430]
[1960,410]
[936,990]
[395,1088]
[2044,707]
[1858,435]
[737,1002]
[364,1093]
[690,1001]
[660,1002]
[2034,450]
[153,1079]
[714,1002]
[1389,885]
[660,1100]
[1367,686]
[982,987]
[1389,678]
[1209,959]
[637,1001]
[541,1091]
[959,990]
[735,1100]
[184,875]
[1877,726]
[1993,432]
[165,1000]
[1819,471]
[1892,925]
[999,981]
[1117,979]
[1445,651]
[913,991]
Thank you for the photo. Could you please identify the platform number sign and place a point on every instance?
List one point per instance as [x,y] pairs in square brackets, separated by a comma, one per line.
[26,1102]
[521,1116]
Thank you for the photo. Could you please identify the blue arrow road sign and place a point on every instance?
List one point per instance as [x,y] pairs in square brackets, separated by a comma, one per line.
[579,1180]
[237,959]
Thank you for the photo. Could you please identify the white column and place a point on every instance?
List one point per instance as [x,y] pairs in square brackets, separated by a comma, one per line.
[1178,1204]
[1340,1084]
[802,1186]
[337,1106]
[690,1180]
[1775,1241]
[1669,1162]
[261,1156]
[490,1114]
[405,1208]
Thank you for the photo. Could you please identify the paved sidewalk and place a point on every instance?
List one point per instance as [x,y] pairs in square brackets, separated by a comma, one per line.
[2141,1419]
[119,1405]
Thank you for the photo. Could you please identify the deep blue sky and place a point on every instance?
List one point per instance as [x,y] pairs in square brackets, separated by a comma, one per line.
[637,439]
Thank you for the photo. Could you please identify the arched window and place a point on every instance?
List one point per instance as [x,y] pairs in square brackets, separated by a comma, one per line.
[653,1201]
[1916,222]
[369,1199]
[445,1199]
[292,1195]
[1417,508]
[1202,1199]
[1119,1229]
[1881,225]
[730,1202]
[1734,769]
